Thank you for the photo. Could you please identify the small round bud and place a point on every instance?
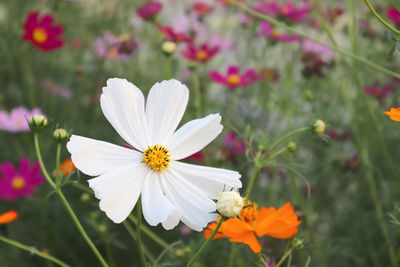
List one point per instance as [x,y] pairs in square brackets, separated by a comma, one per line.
[37,122]
[292,147]
[308,95]
[319,127]
[229,204]
[85,197]
[297,243]
[168,48]
[102,228]
[61,135]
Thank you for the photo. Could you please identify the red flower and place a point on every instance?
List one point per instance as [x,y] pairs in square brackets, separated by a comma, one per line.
[149,11]
[233,78]
[200,54]
[202,8]
[41,33]
[171,35]
[393,15]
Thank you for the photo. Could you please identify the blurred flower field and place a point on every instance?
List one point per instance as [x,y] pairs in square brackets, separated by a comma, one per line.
[199,133]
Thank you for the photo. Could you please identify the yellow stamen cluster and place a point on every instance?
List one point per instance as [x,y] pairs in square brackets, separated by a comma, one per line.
[39,35]
[201,55]
[233,79]
[156,157]
[18,183]
[249,214]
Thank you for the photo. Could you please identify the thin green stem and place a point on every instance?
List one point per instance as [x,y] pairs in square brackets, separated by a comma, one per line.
[232,255]
[205,244]
[138,232]
[253,176]
[134,237]
[283,258]
[150,234]
[286,136]
[386,24]
[295,31]
[58,171]
[66,204]
[33,250]
[277,153]
[196,88]
[168,71]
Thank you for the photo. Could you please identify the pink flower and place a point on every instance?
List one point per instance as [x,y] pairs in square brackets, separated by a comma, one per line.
[19,183]
[378,92]
[201,54]
[234,79]
[53,89]
[202,8]
[16,121]
[196,157]
[393,15]
[338,135]
[234,143]
[275,35]
[269,8]
[150,10]
[325,53]
[115,48]
[290,12]
[41,33]
[172,35]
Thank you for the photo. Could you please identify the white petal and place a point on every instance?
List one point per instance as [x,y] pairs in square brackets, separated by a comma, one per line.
[209,180]
[123,105]
[156,207]
[94,157]
[194,136]
[165,106]
[195,206]
[119,190]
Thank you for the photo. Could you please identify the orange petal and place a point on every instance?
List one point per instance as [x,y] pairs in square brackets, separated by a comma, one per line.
[249,239]
[67,167]
[8,217]
[394,114]
[210,229]
[281,223]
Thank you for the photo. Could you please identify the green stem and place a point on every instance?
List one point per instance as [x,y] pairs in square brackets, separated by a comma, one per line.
[253,176]
[66,204]
[205,244]
[150,234]
[196,88]
[284,257]
[295,31]
[286,136]
[138,232]
[232,255]
[386,24]
[58,171]
[277,153]
[134,237]
[33,250]
[168,72]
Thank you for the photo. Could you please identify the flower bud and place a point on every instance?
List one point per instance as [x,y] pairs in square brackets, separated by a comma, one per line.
[37,122]
[292,147]
[318,127]
[85,197]
[102,228]
[61,135]
[297,243]
[308,95]
[229,204]
[168,48]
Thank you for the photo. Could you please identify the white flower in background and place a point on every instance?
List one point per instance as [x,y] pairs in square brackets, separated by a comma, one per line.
[170,190]
[229,204]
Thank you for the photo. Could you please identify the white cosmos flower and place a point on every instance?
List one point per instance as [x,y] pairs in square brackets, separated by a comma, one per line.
[171,191]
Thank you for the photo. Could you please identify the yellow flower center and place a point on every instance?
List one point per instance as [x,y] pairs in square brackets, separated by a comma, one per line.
[39,35]
[201,55]
[156,157]
[249,214]
[18,183]
[20,122]
[275,33]
[233,79]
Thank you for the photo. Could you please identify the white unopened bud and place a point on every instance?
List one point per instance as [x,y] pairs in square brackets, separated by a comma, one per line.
[229,204]
[319,127]
[168,48]
[37,122]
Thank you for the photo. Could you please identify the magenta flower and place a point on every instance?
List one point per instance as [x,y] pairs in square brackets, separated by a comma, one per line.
[234,79]
[377,91]
[297,14]
[234,143]
[393,15]
[196,157]
[115,48]
[202,8]
[201,54]
[172,35]
[269,8]
[150,10]
[325,53]
[268,31]
[19,183]
[16,120]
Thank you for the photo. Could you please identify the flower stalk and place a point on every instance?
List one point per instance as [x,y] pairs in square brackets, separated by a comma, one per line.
[138,232]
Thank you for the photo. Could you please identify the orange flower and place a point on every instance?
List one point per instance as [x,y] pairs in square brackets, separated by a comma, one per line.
[281,223]
[67,167]
[8,217]
[394,114]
